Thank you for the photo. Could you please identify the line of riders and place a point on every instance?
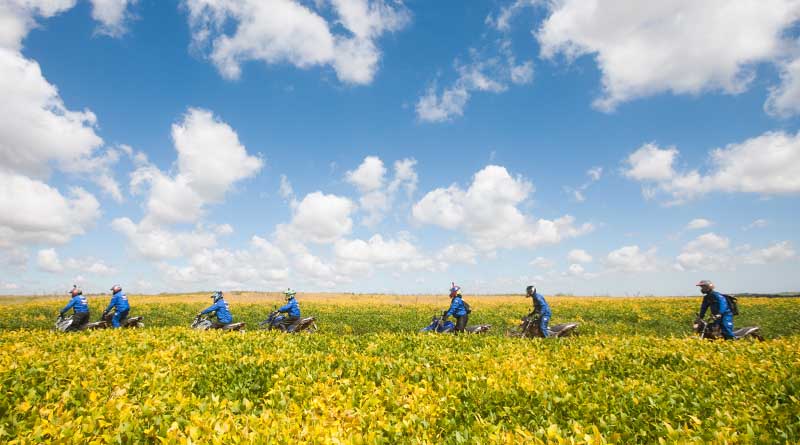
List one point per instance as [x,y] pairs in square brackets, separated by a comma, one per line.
[287,318]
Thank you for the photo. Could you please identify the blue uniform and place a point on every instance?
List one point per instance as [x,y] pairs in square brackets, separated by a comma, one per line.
[541,307]
[719,306]
[119,302]
[291,308]
[457,308]
[222,311]
[78,303]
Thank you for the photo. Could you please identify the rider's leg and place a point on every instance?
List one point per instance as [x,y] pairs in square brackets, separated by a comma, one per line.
[119,316]
[726,324]
[461,323]
[217,325]
[544,322]
[79,320]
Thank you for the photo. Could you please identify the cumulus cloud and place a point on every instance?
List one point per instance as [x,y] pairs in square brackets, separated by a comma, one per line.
[482,74]
[210,161]
[757,224]
[32,212]
[48,261]
[678,46]
[89,266]
[542,262]
[579,194]
[37,128]
[488,212]
[699,223]
[632,259]
[400,254]
[784,100]
[713,252]
[112,15]
[370,180]
[579,256]
[154,242]
[768,164]
[261,264]
[706,252]
[321,218]
[775,253]
[293,32]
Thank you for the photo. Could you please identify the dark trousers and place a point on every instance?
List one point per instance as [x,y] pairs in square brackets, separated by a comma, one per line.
[79,320]
[218,325]
[461,323]
[287,322]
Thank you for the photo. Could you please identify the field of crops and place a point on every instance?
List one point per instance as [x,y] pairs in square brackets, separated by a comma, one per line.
[634,375]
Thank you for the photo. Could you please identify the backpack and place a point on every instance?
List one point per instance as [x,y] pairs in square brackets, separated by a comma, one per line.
[732,303]
[467,307]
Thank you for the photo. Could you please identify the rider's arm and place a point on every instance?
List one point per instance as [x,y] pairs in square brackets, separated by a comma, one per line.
[111,303]
[704,307]
[452,309]
[284,308]
[211,308]
[69,305]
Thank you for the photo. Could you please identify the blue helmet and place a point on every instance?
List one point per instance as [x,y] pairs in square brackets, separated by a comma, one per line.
[217,296]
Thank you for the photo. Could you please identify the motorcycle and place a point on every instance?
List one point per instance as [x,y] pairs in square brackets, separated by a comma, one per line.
[63,323]
[202,323]
[440,326]
[275,321]
[529,328]
[711,330]
[131,322]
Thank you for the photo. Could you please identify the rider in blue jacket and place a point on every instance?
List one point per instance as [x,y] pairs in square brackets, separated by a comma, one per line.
[119,302]
[457,309]
[540,309]
[715,301]
[80,308]
[291,309]
[220,308]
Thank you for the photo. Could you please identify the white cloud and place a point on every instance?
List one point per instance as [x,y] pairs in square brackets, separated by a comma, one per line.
[768,164]
[400,254]
[33,212]
[262,264]
[784,100]
[369,176]
[775,253]
[579,256]
[457,254]
[542,262]
[112,15]
[37,128]
[699,223]
[48,261]
[482,74]
[651,163]
[285,189]
[706,252]
[575,270]
[594,174]
[321,218]
[487,211]
[376,197]
[18,17]
[501,21]
[757,224]
[287,31]
[89,266]
[156,243]
[632,259]
[713,252]
[210,161]
[678,46]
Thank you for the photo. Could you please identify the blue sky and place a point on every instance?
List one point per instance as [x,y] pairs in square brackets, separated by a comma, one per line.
[380,146]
